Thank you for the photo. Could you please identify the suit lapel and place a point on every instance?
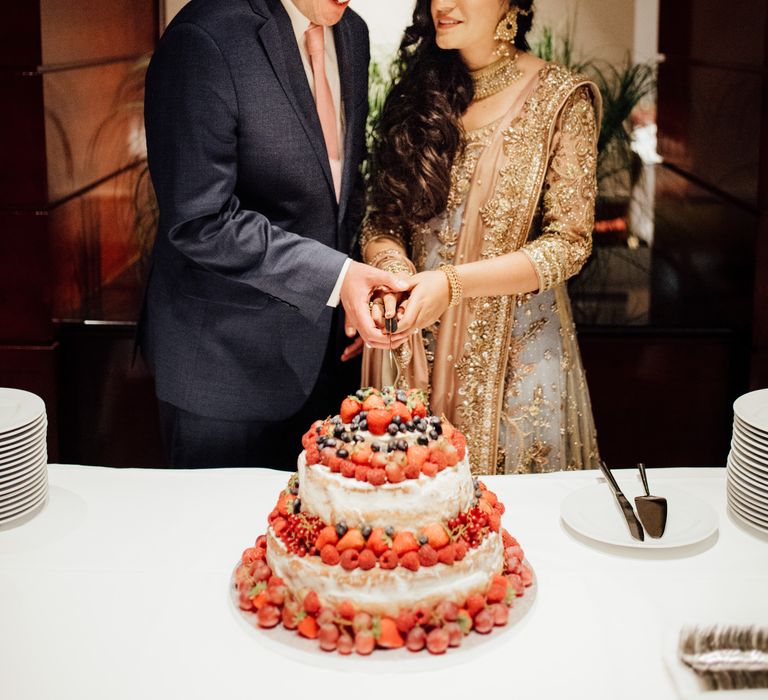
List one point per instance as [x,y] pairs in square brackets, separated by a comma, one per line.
[279,42]
[344,54]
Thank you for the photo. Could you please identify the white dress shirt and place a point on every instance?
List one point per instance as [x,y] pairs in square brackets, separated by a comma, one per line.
[300,25]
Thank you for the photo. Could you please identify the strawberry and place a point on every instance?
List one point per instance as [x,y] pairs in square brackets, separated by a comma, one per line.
[362,453]
[439,458]
[417,403]
[489,496]
[313,454]
[373,401]
[327,536]
[330,555]
[447,554]
[387,635]
[516,583]
[346,610]
[494,520]
[400,409]
[465,621]
[508,540]
[448,610]
[437,641]
[361,472]
[430,469]
[418,454]
[378,542]
[484,621]
[461,549]
[268,616]
[404,542]
[427,555]
[345,644]
[261,542]
[395,473]
[455,634]
[447,428]
[405,621]
[379,460]
[308,627]
[474,604]
[350,407]
[292,615]
[499,507]
[451,455]
[349,559]
[365,642]
[311,603]
[275,581]
[497,590]
[377,477]
[251,554]
[362,621]
[388,560]
[500,614]
[367,560]
[260,600]
[412,471]
[328,636]
[285,503]
[437,535]
[334,463]
[347,468]
[417,639]
[279,524]
[378,419]
[353,539]
[276,595]
[526,575]
[410,561]
[460,443]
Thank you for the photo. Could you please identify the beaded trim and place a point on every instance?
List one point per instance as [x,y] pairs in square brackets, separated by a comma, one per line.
[496,77]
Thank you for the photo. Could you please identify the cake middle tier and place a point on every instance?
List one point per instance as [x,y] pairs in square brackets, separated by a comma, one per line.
[403,506]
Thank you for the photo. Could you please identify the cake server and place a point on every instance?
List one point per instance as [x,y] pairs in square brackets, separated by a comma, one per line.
[635,528]
[651,509]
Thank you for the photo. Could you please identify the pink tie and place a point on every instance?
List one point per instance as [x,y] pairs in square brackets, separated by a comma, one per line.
[315,37]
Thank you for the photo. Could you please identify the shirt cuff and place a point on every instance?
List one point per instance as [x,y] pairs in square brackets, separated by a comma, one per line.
[334,299]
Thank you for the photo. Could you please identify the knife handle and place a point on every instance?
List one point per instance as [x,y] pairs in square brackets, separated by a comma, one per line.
[609,476]
[644,478]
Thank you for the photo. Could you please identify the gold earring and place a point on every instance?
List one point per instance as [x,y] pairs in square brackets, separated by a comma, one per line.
[506,31]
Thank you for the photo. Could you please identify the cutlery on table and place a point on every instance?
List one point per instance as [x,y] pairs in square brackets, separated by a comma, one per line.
[651,509]
[635,528]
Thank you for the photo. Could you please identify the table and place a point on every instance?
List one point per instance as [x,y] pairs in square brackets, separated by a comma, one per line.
[119,589]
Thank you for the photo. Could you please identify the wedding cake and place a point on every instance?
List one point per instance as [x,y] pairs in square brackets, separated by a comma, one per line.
[383,538]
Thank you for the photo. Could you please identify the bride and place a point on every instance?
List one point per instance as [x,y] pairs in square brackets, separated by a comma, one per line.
[484,190]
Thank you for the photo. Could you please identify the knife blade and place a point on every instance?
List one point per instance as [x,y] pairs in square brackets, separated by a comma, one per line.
[635,528]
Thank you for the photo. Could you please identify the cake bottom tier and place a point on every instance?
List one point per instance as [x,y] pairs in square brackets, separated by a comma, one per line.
[387,591]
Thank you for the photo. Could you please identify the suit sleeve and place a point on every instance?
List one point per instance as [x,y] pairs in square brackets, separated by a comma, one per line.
[191,117]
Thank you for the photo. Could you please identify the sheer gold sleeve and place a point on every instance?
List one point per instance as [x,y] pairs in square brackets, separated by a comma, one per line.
[570,189]
[370,233]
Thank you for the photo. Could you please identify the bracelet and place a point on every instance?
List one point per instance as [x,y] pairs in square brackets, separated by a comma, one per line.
[397,266]
[454,283]
[382,255]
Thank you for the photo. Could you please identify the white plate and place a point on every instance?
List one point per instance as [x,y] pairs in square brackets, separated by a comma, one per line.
[12,499]
[746,515]
[22,458]
[24,482]
[752,408]
[759,496]
[296,647]
[18,471]
[735,467]
[12,453]
[751,445]
[27,512]
[18,408]
[757,473]
[746,506]
[21,432]
[594,513]
[739,426]
[738,513]
[21,436]
[754,462]
[30,498]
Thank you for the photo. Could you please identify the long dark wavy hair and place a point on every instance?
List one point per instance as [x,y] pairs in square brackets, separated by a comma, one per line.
[419,131]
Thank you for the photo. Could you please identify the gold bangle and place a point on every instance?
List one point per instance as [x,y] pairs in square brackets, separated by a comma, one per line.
[454,283]
[397,266]
[382,255]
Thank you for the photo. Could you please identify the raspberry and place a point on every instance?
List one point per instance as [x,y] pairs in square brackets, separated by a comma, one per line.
[405,621]
[366,560]
[411,471]
[427,555]
[376,477]
[494,520]
[361,472]
[311,603]
[439,458]
[447,554]
[350,559]
[395,473]
[416,640]
[388,560]
[423,615]
[346,610]
[429,469]
[348,468]
[448,610]
[437,641]
[417,454]
[330,555]
[410,561]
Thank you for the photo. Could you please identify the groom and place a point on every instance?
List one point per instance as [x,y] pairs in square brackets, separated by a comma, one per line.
[255,117]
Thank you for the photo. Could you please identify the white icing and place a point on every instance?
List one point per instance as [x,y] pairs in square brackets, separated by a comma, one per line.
[386,591]
[404,506]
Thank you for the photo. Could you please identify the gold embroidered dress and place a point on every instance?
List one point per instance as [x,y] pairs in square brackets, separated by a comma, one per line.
[507,369]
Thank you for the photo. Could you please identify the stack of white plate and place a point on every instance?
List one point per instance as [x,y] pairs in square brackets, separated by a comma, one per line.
[748,460]
[23,454]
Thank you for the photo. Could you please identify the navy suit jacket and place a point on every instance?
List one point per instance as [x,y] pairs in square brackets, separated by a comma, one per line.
[251,239]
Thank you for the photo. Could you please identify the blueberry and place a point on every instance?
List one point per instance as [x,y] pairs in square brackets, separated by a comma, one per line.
[338,430]
[356,420]
[401,396]
[478,493]
[422,440]
[403,429]
[366,531]
[423,539]
[330,442]
[363,424]
[433,434]
[375,447]
[341,528]
[397,420]
[336,420]
[389,531]
[360,395]
[318,429]
[358,438]
[435,420]
[392,429]
[347,437]
[402,445]
[421,426]
[294,490]
[296,505]
[409,425]
[342,453]
[363,414]
[321,441]
[438,429]
[391,447]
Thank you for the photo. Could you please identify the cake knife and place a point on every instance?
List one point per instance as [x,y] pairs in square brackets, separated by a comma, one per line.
[635,528]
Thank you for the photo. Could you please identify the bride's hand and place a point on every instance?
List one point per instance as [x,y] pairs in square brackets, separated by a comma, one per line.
[385,304]
[430,296]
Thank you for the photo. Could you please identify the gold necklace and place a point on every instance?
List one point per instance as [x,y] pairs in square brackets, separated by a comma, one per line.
[495,77]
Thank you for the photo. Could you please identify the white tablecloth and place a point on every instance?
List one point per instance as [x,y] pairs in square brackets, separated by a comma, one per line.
[119,589]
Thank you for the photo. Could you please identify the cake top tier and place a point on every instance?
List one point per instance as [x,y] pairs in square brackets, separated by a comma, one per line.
[384,436]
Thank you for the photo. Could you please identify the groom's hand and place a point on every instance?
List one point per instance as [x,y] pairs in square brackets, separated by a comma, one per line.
[356,291]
